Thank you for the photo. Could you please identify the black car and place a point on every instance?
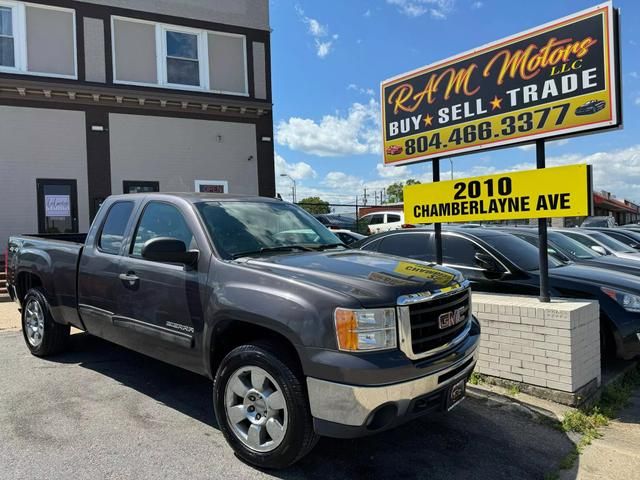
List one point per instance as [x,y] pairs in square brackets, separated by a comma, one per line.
[590,107]
[626,236]
[566,250]
[499,262]
[337,221]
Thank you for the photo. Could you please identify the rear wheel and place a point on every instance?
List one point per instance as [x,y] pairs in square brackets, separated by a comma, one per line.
[262,408]
[42,335]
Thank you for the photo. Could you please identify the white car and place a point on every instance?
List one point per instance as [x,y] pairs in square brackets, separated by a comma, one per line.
[377,222]
[347,236]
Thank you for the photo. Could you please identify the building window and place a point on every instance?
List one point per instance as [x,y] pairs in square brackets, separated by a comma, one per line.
[169,56]
[7,40]
[140,186]
[37,40]
[181,55]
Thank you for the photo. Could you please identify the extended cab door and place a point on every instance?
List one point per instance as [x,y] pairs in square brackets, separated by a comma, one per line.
[164,302]
[99,268]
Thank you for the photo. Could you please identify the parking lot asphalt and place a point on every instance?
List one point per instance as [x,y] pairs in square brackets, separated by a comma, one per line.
[100,411]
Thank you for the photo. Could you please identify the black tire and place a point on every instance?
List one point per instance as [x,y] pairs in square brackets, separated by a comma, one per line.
[299,437]
[54,337]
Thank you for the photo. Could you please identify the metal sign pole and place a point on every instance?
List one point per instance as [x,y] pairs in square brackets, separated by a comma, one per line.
[542,234]
[437,227]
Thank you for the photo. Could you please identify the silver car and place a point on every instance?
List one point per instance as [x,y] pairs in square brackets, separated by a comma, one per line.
[601,243]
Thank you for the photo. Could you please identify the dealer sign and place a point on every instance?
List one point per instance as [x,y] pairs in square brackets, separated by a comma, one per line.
[556,79]
[549,192]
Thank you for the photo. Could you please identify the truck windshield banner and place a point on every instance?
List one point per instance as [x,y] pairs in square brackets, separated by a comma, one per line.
[553,80]
[549,192]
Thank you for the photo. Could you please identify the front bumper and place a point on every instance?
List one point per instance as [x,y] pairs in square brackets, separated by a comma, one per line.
[349,411]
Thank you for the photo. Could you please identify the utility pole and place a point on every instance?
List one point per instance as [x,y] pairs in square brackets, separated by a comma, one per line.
[364,201]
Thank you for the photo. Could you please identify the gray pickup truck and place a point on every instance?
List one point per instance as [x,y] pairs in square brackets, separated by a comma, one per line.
[301,336]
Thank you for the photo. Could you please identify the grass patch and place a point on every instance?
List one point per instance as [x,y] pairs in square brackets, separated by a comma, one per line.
[513,390]
[588,422]
[476,379]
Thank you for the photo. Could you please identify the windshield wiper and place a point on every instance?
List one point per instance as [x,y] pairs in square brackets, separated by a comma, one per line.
[279,248]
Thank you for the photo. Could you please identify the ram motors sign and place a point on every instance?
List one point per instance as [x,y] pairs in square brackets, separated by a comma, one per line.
[556,79]
[544,193]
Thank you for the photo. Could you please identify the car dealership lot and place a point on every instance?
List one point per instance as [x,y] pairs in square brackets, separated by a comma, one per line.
[101,411]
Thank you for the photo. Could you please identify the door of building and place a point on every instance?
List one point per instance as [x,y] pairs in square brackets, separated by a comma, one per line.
[57,206]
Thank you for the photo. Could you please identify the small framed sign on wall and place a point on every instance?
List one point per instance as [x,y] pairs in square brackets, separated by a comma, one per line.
[212,186]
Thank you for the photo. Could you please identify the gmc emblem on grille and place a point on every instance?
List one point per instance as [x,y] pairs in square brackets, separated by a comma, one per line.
[449,319]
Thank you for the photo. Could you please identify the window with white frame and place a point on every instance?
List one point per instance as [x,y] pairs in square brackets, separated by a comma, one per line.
[7,37]
[182,61]
[152,54]
[37,39]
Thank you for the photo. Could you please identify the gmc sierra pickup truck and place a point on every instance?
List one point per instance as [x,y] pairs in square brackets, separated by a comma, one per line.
[301,336]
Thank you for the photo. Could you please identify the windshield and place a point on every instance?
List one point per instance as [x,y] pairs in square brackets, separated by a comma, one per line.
[572,248]
[611,243]
[519,252]
[238,228]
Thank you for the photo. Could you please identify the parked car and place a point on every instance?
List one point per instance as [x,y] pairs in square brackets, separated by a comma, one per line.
[337,221]
[347,236]
[590,107]
[626,236]
[301,336]
[607,222]
[566,249]
[631,226]
[601,243]
[377,222]
[500,262]
[394,150]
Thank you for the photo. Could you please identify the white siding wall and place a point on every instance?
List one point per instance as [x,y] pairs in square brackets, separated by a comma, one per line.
[177,151]
[38,143]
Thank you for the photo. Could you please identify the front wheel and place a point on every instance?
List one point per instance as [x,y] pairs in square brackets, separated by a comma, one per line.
[42,335]
[261,407]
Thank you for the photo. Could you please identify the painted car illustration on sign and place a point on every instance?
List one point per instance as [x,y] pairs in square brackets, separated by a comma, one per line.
[394,150]
[590,107]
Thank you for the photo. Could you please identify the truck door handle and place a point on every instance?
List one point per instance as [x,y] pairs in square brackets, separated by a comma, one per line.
[129,278]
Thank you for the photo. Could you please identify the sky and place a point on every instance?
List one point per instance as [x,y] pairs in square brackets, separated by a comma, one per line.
[329,57]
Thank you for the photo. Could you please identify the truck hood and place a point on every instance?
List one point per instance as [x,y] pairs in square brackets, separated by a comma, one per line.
[371,278]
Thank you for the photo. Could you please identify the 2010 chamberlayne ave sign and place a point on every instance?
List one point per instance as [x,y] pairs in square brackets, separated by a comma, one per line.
[550,192]
[556,79]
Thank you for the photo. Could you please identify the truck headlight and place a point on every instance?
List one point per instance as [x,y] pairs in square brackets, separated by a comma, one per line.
[366,330]
[628,301]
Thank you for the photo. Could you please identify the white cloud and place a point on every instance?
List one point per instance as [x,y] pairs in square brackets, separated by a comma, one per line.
[634,75]
[477,5]
[392,172]
[527,147]
[318,31]
[297,171]
[438,9]
[357,133]
[637,101]
[361,90]
[367,13]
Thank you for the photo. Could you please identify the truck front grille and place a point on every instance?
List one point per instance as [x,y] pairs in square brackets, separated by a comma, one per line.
[426,334]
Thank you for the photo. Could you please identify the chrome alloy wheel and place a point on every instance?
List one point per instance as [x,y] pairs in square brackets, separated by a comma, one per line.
[256,409]
[34,323]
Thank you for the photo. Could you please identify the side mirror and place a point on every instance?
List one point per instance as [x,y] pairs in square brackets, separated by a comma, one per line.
[599,249]
[169,250]
[489,264]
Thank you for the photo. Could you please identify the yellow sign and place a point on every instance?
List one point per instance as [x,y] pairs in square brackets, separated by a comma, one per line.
[549,192]
[423,271]
[556,79]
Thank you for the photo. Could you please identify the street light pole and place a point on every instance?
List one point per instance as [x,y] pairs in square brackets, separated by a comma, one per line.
[451,162]
[293,188]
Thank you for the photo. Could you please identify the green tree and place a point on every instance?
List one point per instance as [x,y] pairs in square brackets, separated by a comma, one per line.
[314,205]
[395,191]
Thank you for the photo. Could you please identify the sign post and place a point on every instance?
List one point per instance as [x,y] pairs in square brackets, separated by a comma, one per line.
[543,243]
[437,226]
